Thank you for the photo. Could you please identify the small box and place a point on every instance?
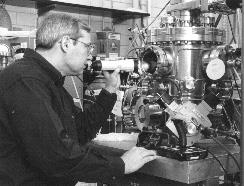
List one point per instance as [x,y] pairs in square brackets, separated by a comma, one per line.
[108,44]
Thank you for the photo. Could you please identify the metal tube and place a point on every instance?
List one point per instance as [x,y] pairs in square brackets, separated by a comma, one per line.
[242,107]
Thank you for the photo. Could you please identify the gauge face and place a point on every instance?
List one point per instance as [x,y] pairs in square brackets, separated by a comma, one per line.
[215,69]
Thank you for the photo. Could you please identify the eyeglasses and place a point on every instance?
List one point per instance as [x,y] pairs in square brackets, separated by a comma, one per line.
[89,46]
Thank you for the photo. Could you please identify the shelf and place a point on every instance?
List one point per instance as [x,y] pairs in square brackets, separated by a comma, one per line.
[46,5]
[5,34]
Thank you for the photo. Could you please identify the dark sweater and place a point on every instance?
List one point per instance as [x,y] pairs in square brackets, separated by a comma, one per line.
[43,136]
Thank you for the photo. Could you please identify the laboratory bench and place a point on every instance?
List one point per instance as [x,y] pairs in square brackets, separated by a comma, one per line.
[166,171]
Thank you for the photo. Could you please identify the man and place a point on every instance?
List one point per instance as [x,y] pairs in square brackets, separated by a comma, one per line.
[43,136]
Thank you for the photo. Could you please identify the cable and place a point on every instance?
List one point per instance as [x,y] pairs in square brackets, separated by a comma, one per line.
[132,43]
[233,35]
[237,86]
[141,34]
[227,150]
[76,91]
[215,157]
[158,15]
[132,50]
[80,79]
[175,84]
[134,40]
[218,20]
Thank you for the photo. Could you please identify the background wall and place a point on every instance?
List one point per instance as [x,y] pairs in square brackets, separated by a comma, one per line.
[24,16]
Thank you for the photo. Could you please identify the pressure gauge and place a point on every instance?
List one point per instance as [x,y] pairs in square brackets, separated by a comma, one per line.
[215,69]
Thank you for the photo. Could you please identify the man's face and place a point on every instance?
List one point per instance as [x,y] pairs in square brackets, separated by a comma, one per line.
[78,54]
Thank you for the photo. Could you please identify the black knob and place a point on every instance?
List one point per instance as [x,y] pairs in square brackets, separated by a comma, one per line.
[96,65]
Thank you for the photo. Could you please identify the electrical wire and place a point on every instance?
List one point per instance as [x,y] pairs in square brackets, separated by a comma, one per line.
[135,48]
[158,15]
[84,99]
[132,43]
[215,157]
[237,86]
[174,83]
[80,79]
[227,150]
[141,35]
[231,28]
[76,91]
[134,40]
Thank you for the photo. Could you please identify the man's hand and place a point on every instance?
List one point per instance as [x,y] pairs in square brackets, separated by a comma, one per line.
[136,157]
[112,80]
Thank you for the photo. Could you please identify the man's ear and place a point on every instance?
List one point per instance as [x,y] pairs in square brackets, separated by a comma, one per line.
[65,43]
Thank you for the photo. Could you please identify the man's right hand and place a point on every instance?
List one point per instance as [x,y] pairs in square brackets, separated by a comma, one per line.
[112,80]
[136,157]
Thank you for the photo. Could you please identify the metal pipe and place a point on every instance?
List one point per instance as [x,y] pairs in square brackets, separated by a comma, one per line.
[242,107]
[239,27]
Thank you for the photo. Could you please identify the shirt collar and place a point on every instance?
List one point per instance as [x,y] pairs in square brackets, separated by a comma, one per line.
[53,73]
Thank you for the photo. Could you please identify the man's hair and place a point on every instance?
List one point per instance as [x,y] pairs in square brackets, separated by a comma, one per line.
[55,26]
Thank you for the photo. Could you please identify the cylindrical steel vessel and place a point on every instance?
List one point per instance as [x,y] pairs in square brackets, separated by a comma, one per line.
[188,44]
